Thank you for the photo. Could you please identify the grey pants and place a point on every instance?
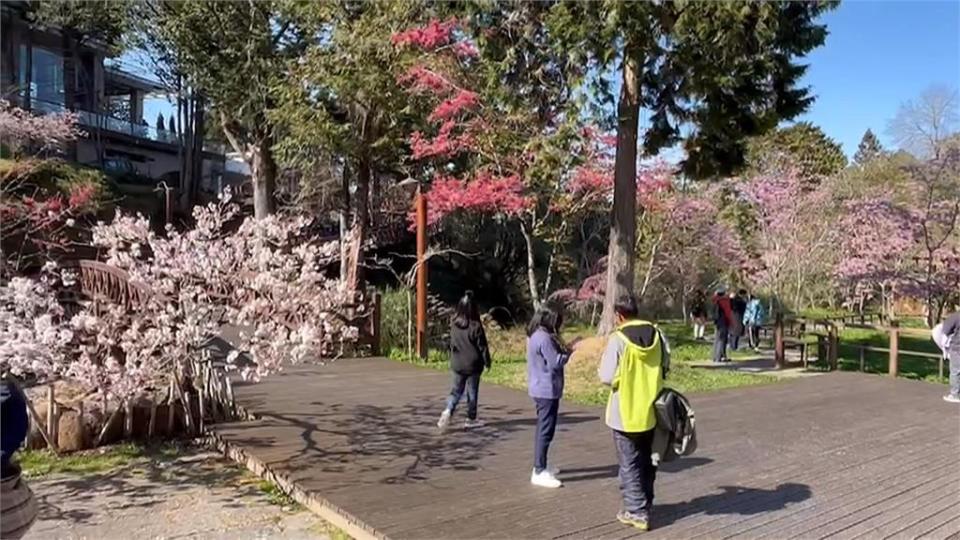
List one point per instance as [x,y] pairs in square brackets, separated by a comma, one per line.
[637,472]
[954,357]
[720,343]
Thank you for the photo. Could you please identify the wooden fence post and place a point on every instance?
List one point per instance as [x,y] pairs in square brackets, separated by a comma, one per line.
[779,357]
[863,355]
[894,368]
[834,346]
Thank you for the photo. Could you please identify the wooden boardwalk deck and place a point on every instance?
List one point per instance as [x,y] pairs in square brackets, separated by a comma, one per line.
[841,455]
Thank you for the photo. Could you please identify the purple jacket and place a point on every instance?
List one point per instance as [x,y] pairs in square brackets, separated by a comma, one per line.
[545,361]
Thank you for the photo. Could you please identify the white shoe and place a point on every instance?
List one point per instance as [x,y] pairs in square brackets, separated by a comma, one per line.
[950,398]
[553,469]
[470,424]
[444,420]
[545,479]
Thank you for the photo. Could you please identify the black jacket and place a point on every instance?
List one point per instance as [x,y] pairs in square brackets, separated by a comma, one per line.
[469,352]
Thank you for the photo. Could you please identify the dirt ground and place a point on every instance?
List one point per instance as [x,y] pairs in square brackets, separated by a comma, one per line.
[197,495]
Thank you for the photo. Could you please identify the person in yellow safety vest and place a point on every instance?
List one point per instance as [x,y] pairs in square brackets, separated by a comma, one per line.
[634,365]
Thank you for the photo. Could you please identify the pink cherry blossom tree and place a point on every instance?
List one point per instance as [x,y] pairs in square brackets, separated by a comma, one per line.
[793,236]
[263,276]
[23,132]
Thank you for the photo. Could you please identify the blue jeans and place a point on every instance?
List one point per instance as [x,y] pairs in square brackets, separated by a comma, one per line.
[472,385]
[637,472]
[547,412]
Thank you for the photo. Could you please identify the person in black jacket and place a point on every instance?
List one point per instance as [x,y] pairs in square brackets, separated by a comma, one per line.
[469,355]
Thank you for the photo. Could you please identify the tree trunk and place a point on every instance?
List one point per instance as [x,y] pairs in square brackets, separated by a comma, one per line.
[344,222]
[531,268]
[263,171]
[623,222]
[358,229]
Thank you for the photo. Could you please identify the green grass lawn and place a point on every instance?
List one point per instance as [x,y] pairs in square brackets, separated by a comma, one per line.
[38,463]
[911,367]
[582,386]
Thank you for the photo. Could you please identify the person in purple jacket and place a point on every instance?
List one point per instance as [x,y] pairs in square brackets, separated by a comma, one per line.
[546,357]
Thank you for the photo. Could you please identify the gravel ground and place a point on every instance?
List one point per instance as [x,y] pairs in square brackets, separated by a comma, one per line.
[198,495]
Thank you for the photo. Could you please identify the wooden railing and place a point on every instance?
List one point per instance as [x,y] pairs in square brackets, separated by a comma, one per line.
[827,331]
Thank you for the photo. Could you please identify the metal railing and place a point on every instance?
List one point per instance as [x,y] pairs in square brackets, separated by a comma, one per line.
[90,119]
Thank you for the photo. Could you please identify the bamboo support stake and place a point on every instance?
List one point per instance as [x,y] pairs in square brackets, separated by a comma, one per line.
[106,426]
[152,425]
[187,413]
[201,409]
[83,427]
[40,427]
[171,412]
[231,404]
[51,416]
[127,419]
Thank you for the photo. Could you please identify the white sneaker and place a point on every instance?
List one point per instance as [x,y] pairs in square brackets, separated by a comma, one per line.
[545,479]
[553,469]
[950,398]
[475,423]
[444,420]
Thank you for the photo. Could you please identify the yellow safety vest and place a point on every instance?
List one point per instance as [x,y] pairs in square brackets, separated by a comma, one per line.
[638,381]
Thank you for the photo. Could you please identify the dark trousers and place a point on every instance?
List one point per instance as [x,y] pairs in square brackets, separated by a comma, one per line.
[547,410]
[753,334]
[470,383]
[637,472]
[735,332]
[720,343]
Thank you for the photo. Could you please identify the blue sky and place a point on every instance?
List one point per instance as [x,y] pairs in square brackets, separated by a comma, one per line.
[878,55]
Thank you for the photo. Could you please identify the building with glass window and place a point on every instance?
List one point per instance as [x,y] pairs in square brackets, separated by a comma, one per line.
[43,71]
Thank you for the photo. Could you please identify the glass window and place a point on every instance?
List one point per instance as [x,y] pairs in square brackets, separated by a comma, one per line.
[22,80]
[47,76]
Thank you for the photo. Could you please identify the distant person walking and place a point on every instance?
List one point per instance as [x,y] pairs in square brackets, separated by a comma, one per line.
[754,318]
[634,365]
[722,319]
[698,312]
[951,345]
[469,355]
[546,357]
[738,303]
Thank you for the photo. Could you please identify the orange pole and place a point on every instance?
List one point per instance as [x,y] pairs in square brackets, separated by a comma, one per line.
[421,203]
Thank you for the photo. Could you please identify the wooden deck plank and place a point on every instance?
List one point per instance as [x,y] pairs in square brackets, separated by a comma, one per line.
[360,435]
[933,517]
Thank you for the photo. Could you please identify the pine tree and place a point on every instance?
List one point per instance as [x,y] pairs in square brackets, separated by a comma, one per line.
[868,149]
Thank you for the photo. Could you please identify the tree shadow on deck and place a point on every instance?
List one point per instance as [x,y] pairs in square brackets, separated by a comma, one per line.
[738,500]
[391,444]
